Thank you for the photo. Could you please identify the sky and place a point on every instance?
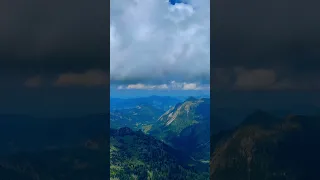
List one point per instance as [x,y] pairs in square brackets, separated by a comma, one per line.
[54,57]
[265,53]
[159,47]
[266,45]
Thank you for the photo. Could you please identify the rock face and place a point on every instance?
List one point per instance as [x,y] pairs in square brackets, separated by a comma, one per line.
[187,127]
[266,147]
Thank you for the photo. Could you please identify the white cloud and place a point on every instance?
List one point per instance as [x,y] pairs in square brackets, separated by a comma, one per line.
[151,40]
[171,86]
[190,86]
[143,86]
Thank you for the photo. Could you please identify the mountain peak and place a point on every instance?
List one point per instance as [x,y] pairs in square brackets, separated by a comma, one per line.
[291,141]
[191,98]
[259,117]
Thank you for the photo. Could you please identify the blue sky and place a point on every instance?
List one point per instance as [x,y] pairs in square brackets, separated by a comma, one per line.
[173,2]
[159,47]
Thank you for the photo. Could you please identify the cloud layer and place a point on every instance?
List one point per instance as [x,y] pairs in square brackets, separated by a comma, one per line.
[170,86]
[154,42]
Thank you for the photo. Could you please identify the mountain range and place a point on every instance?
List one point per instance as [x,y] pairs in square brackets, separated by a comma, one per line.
[79,148]
[61,149]
[139,117]
[21,133]
[159,102]
[148,142]
[265,146]
[135,155]
[184,127]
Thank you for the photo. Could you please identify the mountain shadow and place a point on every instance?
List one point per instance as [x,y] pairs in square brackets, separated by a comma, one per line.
[267,147]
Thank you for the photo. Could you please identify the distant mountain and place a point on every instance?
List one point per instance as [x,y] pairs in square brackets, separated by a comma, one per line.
[186,126]
[267,147]
[135,155]
[25,133]
[59,148]
[140,117]
[83,162]
[78,149]
[159,102]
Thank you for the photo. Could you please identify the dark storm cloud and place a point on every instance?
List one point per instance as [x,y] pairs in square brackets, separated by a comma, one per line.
[55,36]
[278,36]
